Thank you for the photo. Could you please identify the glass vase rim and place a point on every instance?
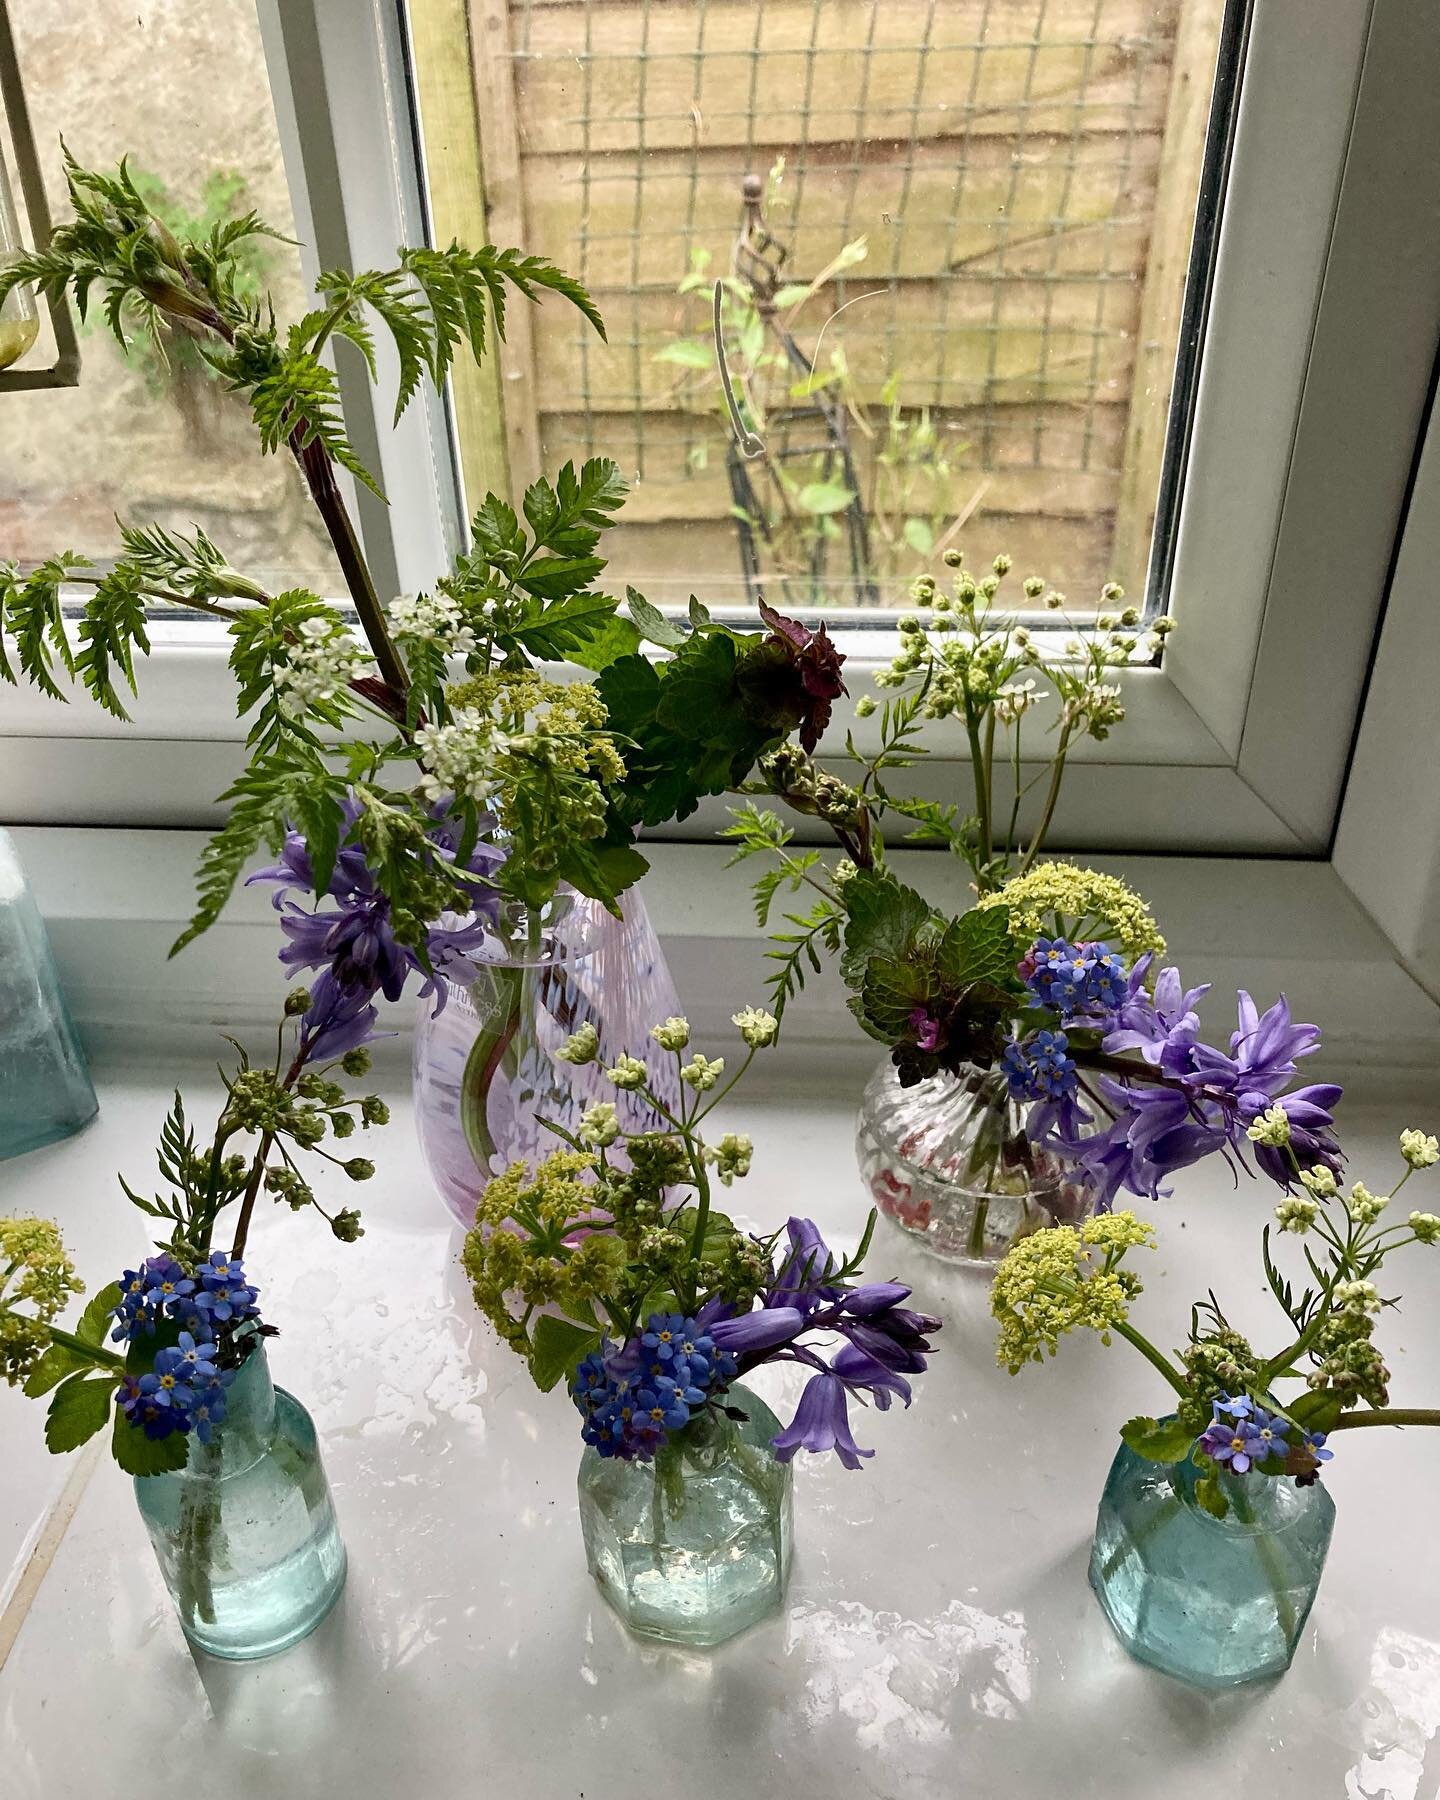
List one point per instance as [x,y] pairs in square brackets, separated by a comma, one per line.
[1184,1475]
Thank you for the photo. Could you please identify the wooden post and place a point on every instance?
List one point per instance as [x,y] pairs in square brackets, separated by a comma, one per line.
[454,176]
[1187,114]
[492,67]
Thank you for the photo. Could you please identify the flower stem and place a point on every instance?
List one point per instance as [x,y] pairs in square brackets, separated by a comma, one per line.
[97,1353]
[1057,775]
[1156,1358]
[1388,1415]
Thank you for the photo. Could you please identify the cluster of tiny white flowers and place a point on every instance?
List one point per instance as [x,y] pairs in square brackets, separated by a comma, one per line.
[432,619]
[1272,1128]
[599,1126]
[1356,1296]
[628,1072]
[674,1034]
[1296,1215]
[1419,1150]
[1363,1206]
[582,1046]
[1426,1227]
[732,1156]
[458,758]
[1319,1181]
[757,1027]
[319,666]
[1015,700]
[1097,707]
[701,1073]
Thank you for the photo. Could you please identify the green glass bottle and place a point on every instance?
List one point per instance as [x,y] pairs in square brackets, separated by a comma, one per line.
[1215,1602]
[245,1534]
[695,1546]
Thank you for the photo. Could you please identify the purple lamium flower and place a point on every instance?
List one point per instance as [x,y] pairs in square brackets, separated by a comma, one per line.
[821,1422]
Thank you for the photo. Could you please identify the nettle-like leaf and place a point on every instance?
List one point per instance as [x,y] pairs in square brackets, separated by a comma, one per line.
[885,918]
[976,948]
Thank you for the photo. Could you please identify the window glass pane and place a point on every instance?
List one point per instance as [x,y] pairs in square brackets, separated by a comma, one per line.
[180,86]
[985,209]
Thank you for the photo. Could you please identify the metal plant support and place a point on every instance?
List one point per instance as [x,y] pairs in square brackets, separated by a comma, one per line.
[812,432]
[64,369]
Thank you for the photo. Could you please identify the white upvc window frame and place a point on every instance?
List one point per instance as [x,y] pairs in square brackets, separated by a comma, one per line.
[1306,422]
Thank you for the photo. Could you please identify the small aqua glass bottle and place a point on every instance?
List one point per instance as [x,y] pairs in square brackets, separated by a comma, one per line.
[245,1534]
[1214,1602]
[45,1090]
[695,1546]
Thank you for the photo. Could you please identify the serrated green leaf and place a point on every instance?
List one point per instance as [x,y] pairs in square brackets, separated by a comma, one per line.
[140,1455]
[652,623]
[1158,1440]
[977,947]
[79,1408]
[890,992]
[556,1348]
[883,919]
[96,1321]
[57,1362]
[555,632]
[615,638]
[1210,1496]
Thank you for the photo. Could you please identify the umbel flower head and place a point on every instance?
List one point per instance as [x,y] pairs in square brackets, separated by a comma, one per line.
[41,1277]
[1066,1278]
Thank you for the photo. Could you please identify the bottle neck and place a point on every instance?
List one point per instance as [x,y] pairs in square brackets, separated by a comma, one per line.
[249,1423]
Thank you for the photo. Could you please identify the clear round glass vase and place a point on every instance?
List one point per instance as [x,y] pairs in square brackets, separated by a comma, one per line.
[948,1161]
[695,1546]
[245,1534]
[1214,1602]
[485,1069]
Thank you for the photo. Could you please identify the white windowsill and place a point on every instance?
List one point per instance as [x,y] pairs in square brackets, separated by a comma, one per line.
[116,899]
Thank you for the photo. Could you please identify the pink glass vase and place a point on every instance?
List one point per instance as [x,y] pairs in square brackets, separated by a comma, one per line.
[486,1073]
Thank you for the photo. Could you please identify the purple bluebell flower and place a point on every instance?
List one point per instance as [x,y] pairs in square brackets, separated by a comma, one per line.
[1200,1100]
[821,1423]
[750,1335]
[339,1019]
[356,942]
[804,1279]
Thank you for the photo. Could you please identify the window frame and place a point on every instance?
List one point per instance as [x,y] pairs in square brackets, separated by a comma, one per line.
[1240,741]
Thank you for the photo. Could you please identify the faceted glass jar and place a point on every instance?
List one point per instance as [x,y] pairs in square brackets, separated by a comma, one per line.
[948,1161]
[245,1534]
[1214,1602]
[45,1090]
[485,1069]
[695,1546]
